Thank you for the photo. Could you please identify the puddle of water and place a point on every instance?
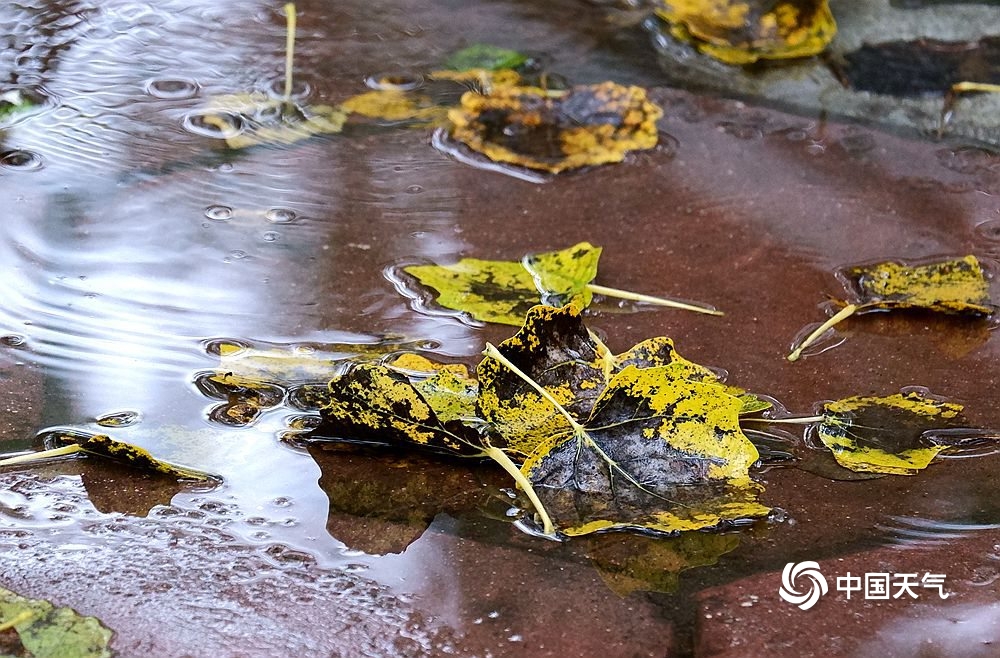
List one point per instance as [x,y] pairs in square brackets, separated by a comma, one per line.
[131,244]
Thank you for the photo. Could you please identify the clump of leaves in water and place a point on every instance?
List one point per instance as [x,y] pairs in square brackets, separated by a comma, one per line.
[744,31]
[503,291]
[642,440]
[955,286]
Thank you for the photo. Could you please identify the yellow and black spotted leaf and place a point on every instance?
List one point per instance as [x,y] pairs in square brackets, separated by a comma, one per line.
[101,445]
[656,454]
[745,31]
[557,352]
[503,291]
[887,434]
[376,403]
[955,286]
[555,131]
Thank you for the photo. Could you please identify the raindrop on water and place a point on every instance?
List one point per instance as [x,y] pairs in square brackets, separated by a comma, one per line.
[395,81]
[172,88]
[414,189]
[219,213]
[280,215]
[300,89]
[119,419]
[18,159]
[214,124]
[12,340]
[989,230]
[271,236]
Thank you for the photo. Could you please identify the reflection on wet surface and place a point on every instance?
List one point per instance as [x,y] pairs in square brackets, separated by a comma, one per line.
[132,248]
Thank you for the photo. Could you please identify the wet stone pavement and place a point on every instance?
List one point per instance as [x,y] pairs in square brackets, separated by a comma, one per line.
[119,269]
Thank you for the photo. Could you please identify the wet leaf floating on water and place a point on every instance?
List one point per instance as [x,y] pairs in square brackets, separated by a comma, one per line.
[654,454]
[555,131]
[373,402]
[557,352]
[956,286]
[252,119]
[102,445]
[886,434]
[376,403]
[745,31]
[46,631]
[614,445]
[504,291]
[245,120]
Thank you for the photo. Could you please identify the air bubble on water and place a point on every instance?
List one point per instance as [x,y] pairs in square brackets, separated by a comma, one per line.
[271,236]
[414,189]
[219,213]
[280,215]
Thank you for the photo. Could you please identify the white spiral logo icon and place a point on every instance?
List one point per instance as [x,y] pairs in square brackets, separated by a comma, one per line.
[817,584]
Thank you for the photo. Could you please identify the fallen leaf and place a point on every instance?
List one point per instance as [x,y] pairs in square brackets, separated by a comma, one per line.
[376,403]
[15,102]
[503,291]
[556,351]
[613,445]
[744,31]
[956,286]
[245,120]
[886,434]
[556,130]
[102,445]
[46,631]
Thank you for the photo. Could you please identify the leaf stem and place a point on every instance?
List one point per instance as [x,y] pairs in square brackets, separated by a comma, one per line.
[492,352]
[23,617]
[289,48]
[801,420]
[660,301]
[841,315]
[500,457]
[44,454]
